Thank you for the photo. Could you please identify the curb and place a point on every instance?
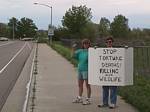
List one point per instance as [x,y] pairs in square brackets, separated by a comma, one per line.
[30,93]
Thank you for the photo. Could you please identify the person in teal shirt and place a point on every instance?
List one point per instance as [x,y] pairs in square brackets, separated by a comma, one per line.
[81,55]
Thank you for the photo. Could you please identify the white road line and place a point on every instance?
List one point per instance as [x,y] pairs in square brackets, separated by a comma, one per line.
[12,59]
[29,45]
[6,43]
[29,84]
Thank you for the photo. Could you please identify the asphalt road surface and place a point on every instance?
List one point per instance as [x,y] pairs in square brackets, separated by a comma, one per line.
[13,55]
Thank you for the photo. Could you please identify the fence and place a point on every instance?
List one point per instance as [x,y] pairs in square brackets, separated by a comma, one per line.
[142,60]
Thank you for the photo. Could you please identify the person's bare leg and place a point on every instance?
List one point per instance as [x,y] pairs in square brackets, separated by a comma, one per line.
[80,84]
[88,89]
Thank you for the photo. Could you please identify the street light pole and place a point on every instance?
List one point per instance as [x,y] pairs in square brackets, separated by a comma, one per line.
[50,36]
[51,26]
[51,16]
[13,30]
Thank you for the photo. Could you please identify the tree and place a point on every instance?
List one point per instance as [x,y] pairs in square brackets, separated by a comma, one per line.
[76,18]
[61,32]
[136,33]
[104,27]
[89,31]
[146,31]
[4,30]
[13,22]
[119,27]
[26,28]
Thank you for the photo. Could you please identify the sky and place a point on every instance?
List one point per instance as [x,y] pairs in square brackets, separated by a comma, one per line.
[137,11]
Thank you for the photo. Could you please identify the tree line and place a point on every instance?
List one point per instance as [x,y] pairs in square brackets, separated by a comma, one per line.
[22,28]
[76,23]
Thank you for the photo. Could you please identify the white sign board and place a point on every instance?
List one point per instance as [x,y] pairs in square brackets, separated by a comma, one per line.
[110,66]
[50,31]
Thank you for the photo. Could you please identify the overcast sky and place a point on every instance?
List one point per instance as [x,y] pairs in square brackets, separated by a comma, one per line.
[137,11]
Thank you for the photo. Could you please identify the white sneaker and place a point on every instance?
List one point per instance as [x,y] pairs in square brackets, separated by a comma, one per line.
[78,100]
[87,101]
[112,106]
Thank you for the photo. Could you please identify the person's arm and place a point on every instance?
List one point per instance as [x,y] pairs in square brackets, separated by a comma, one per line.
[73,50]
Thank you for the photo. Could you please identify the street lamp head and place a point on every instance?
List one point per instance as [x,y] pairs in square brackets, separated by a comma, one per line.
[48,7]
[42,4]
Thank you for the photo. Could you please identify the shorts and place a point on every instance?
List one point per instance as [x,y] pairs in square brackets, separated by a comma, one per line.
[82,75]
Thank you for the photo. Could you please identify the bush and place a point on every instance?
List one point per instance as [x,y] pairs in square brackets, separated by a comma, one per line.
[42,40]
[138,94]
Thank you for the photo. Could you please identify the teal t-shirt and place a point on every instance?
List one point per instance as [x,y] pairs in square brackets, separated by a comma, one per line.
[82,57]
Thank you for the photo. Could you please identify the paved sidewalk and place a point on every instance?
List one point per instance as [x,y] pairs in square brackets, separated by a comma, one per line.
[57,86]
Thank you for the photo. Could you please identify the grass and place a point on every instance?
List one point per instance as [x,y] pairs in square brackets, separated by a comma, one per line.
[64,51]
[138,94]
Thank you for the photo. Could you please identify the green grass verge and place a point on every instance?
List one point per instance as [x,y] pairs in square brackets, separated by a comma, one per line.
[64,51]
[138,95]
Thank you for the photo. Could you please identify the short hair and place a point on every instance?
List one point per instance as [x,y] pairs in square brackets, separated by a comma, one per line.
[110,38]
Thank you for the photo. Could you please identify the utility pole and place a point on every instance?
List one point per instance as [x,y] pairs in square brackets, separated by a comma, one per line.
[13,29]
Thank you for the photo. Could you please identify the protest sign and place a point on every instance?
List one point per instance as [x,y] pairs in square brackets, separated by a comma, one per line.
[110,66]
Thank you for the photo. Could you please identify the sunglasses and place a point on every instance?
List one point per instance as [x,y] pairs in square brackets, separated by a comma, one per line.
[109,41]
[86,43]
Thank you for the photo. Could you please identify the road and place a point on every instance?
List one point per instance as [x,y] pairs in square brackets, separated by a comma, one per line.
[13,55]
